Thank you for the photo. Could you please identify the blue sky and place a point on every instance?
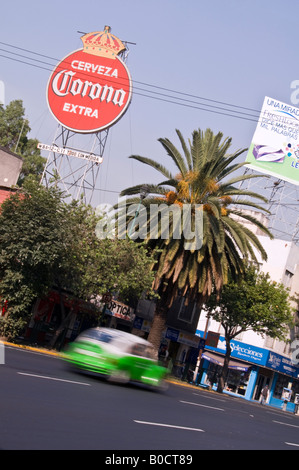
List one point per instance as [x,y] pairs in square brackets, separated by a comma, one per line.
[234,52]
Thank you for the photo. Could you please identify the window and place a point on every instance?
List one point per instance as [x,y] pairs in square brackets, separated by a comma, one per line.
[287,278]
[96,334]
[282,381]
[269,342]
[138,349]
[186,312]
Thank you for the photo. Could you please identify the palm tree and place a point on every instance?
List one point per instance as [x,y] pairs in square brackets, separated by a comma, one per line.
[204,176]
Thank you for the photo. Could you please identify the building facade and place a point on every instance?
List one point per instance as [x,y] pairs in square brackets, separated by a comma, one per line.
[256,360]
[179,344]
[10,168]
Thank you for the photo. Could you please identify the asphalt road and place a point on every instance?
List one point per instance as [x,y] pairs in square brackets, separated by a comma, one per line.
[45,406]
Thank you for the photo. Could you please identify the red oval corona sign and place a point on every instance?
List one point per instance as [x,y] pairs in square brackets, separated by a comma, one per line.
[90,89]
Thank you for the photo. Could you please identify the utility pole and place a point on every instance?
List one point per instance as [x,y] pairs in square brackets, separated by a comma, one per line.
[200,351]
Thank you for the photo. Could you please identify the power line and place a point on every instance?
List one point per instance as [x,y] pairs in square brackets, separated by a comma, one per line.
[23,62]
[200,97]
[178,100]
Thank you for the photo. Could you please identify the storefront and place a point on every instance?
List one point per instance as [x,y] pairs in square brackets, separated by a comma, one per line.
[118,315]
[250,369]
[182,348]
[178,348]
[285,386]
[237,377]
[47,317]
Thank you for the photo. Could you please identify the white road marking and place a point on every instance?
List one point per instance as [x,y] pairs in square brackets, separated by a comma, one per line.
[209,398]
[204,406]
[286,424]
[278,414]
[53,378]
[292,444]
[168,426]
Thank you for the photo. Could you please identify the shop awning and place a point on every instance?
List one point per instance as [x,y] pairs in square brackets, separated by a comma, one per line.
[219,360]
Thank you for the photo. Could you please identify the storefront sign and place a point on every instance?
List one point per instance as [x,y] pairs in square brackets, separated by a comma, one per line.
[172,334]
[119,310]
[183,337]
[107,297]
[282,364]
[240,350]
[248,352]
[91,88]
[188,339]
[142,324]
[256,355]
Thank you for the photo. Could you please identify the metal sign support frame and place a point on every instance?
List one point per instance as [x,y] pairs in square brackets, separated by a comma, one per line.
[283,199]
[77,178]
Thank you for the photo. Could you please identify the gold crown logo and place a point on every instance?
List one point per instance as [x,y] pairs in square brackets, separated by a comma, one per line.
[103,44]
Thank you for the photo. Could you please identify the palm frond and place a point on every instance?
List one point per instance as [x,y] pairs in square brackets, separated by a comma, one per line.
[256,242]
[253,220]
[157,166]
[232,191]
[175,155]
[151,188]
[185,149]
[236,232]
[192,271]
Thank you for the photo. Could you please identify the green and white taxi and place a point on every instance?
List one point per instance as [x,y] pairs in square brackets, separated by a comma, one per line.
[119,356]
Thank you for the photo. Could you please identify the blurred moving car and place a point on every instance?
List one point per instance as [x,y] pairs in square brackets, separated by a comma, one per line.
[119,356]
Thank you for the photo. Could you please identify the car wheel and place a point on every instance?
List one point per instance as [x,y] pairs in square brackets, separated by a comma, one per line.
[119,376]
[162,385]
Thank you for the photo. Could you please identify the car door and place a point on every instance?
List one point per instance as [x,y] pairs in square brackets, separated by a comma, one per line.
[139,362]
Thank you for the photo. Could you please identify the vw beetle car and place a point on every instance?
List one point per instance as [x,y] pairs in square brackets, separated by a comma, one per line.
[119,356]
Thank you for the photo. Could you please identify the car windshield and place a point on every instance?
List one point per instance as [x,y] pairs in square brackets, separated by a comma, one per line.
[144,350]
[98,335]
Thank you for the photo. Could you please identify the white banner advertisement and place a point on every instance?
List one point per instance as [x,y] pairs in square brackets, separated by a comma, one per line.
[275,145]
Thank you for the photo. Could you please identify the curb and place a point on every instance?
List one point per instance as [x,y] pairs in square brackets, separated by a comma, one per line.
[30,348]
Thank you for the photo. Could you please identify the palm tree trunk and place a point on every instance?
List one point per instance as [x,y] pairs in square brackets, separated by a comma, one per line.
[158,326]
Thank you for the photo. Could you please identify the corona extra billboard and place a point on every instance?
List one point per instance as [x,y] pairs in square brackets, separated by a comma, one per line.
[91,88]
[274,149]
